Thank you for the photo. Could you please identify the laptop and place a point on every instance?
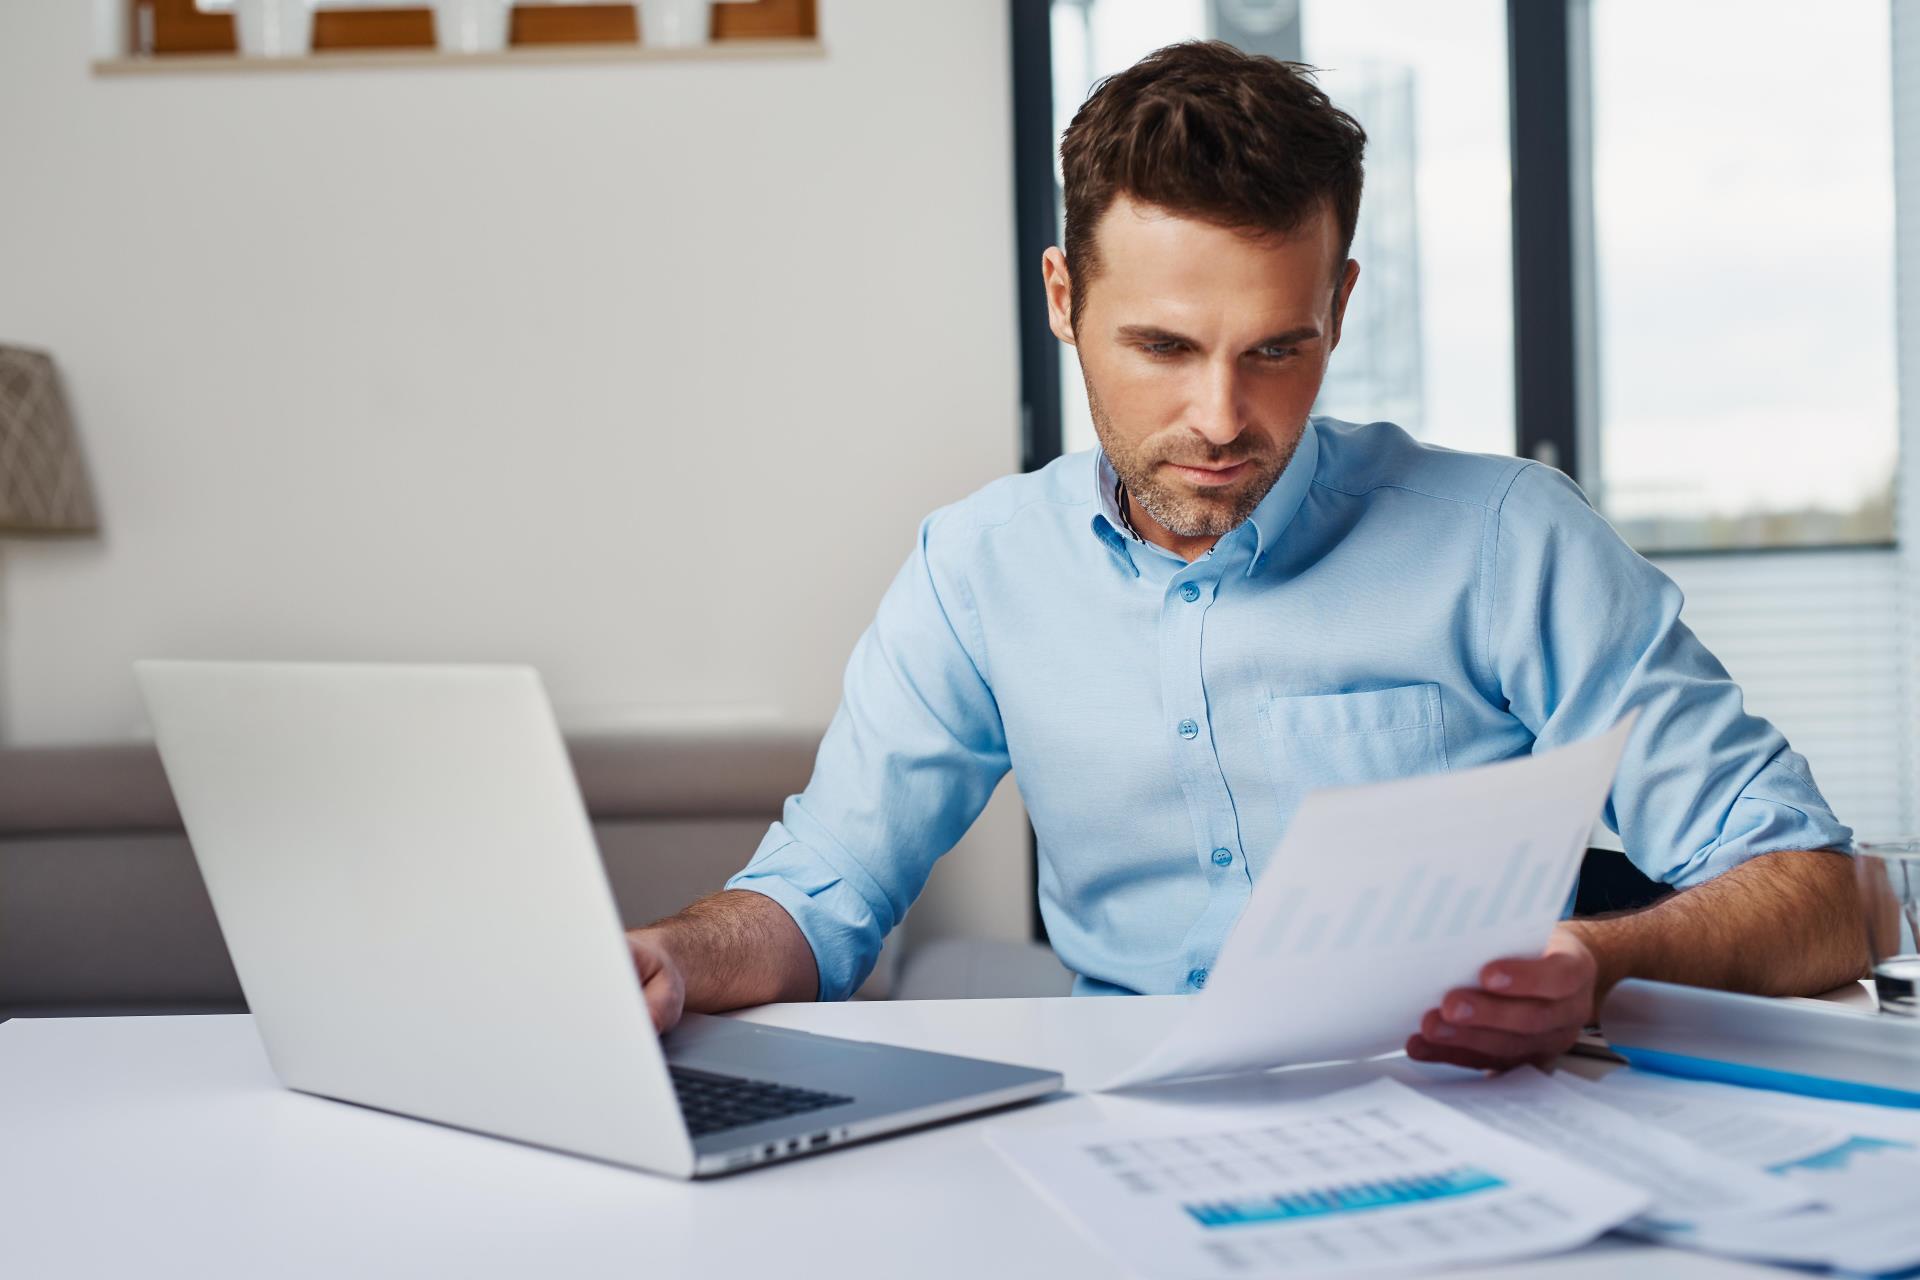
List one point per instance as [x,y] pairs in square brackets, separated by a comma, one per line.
[410,890]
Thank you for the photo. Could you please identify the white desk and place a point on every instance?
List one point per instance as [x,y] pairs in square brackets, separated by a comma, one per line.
[165,1147]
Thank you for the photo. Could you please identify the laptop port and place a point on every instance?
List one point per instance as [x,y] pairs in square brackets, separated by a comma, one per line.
[817,1139]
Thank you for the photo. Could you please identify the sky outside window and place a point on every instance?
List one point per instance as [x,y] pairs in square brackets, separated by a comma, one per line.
[1743,211]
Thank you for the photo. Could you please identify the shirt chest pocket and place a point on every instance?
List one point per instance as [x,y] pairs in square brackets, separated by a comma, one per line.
[1343,739]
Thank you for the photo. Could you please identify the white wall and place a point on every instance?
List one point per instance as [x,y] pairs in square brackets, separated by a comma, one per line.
[642,373]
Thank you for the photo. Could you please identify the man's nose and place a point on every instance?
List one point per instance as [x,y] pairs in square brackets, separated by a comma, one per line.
[1216,412]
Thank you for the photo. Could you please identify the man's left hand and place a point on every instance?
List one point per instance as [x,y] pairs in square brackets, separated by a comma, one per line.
[1523,1011]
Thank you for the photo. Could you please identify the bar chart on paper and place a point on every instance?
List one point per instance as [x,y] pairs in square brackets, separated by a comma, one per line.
[1375,1177]
[1338,1176]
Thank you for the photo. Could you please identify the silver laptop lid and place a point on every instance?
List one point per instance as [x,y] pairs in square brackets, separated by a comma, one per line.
[411,894]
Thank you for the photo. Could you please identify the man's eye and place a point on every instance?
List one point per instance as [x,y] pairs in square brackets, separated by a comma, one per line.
[1159,348]
[1276,353]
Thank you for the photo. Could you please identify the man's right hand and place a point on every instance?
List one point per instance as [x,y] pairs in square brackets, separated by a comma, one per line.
[661,981]
[728,950]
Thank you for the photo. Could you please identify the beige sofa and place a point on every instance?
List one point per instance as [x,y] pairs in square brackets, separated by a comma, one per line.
[102,910]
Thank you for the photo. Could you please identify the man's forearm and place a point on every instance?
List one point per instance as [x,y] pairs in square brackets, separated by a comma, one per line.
[737,948]
[1780,924]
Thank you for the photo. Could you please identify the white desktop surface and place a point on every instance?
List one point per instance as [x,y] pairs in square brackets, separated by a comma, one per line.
[164,1146]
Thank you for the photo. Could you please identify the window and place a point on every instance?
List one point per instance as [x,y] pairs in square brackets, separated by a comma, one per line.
[1429,334]
[1744,272]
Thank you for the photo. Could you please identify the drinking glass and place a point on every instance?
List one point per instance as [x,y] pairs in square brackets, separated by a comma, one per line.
[1888,873]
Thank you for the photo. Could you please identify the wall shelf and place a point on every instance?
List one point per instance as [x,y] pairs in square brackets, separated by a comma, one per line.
[526,56]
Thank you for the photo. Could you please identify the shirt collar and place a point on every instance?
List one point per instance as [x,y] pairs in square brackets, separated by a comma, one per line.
[1269,519]
[1106,489]
[1277,510]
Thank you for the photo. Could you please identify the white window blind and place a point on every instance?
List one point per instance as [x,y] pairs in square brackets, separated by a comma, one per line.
[1816,640]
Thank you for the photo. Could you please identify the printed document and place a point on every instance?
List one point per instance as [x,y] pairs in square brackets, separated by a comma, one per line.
[1690,1185]
[1859,1163]
[1368,1179]
[1379,900]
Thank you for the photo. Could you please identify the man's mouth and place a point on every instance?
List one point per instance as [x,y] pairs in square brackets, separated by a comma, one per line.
[1212,475]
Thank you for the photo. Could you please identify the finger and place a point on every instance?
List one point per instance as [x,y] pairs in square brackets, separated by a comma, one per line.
[646,961]
[1421,1049]
[664,1000]
[1505,1047]
[1556,975]
[1468,1007]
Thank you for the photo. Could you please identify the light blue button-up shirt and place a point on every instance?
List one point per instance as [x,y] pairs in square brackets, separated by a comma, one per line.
[1389,609]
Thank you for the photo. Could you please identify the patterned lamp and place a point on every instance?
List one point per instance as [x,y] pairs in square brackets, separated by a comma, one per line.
[43,488]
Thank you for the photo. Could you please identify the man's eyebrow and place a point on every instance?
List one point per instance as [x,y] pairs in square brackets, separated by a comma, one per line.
[1305,333]
[1153,333]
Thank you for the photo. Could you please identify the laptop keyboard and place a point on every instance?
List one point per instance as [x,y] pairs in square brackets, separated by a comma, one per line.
[712,1102]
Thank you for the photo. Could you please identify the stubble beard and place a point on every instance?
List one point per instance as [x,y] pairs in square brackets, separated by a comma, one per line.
[1182,512]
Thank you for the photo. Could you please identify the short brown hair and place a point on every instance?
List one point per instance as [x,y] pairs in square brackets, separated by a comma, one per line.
[1202,129]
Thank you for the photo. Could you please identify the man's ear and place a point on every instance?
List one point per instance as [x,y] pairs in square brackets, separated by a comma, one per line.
[1059,286]
[1342,292]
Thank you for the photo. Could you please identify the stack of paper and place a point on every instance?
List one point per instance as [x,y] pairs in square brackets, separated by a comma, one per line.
[1372,1178]
[1387,1177]
[1858,1166]
[1689,1186]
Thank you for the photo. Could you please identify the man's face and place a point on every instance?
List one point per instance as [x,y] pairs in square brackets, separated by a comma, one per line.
[1203,349]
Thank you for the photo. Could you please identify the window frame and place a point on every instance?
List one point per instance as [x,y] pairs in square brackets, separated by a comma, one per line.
[1548,408]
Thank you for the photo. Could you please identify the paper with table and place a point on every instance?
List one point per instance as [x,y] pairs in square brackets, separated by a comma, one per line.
[1476,1169]
[1369,1179]
[1858,1164]
[1691,1186]
[1742,1172]
[1382,898]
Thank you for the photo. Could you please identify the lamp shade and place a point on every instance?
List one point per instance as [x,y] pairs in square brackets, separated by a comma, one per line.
[43,487]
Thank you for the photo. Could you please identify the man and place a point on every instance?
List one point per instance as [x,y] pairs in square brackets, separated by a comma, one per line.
[1172,639]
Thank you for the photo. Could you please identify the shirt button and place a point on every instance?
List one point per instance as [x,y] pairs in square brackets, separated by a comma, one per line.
[1222,857]
[1190,592]
[1188,729]
[1197,979]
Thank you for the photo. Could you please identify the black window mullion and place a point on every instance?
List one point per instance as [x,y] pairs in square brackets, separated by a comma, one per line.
[1035,230]
[1546,330]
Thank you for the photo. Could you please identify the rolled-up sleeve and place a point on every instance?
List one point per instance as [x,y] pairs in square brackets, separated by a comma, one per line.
[909,761]
[1581,630]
